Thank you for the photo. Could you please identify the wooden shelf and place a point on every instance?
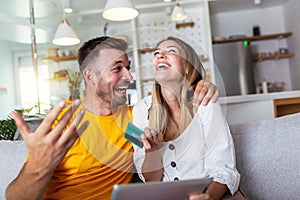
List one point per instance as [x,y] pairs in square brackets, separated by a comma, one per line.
[57,79]
[3,90]
[146,50]
[255,38]
[63,58]
[279,56]
[184,24]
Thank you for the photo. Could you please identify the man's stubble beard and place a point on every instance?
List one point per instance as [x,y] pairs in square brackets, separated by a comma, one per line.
[108,98]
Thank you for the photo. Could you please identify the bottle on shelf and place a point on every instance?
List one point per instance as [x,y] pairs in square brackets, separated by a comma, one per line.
[264,86]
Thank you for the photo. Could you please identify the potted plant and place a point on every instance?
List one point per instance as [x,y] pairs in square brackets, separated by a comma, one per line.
[75,80]
[8,127]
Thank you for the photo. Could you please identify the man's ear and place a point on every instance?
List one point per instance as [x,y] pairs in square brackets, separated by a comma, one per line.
[90,76]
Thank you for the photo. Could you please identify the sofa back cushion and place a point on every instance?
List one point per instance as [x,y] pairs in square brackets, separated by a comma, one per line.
[268,157]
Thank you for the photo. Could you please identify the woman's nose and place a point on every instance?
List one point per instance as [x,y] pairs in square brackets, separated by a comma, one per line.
[162,55]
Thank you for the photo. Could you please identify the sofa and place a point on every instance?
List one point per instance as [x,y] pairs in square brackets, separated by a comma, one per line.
[268,157]
[267,151]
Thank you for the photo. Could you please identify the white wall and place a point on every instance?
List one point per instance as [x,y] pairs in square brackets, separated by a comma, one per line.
[270,21]
[6,79]
[292,16]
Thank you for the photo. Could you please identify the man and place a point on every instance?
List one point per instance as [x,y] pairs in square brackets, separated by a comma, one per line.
[101,157]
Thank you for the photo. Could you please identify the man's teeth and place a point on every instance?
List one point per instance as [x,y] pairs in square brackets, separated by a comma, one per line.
[122,88]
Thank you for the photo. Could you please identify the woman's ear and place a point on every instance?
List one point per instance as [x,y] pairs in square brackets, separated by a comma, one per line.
[90,77]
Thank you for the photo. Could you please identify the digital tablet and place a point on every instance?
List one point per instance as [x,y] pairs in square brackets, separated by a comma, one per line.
[160,190]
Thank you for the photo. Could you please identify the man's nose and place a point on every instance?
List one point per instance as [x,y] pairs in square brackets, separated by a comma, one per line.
[127,75]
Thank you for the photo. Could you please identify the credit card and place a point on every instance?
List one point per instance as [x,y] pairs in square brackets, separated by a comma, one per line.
[133,134]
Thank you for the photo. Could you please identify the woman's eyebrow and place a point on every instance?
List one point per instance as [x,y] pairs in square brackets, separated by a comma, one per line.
[167,47]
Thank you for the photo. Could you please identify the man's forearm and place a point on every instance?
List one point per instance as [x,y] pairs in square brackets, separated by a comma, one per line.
[28,184]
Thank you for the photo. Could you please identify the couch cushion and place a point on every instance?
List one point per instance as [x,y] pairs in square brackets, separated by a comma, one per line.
[268,155]
[12,156]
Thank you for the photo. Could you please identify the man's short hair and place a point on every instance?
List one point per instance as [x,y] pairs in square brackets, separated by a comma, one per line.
[103,42]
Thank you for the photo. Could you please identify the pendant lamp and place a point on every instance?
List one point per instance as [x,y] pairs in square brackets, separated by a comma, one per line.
[67,4]
[178,13]
[65,35]
[119,10]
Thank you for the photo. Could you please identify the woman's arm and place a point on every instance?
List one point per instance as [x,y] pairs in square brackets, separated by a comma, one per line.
[215,191]
[220,163]
[152,168]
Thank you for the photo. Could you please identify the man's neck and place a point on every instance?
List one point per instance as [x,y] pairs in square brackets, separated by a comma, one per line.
[98,107]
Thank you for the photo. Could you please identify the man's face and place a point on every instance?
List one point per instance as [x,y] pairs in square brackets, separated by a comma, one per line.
[115,77]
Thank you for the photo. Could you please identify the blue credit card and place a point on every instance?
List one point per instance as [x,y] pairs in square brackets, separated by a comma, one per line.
[133,134]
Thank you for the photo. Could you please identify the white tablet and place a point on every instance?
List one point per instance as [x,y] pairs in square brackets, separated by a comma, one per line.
[160,190]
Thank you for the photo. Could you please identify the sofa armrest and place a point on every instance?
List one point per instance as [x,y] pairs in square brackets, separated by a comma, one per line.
[12,157]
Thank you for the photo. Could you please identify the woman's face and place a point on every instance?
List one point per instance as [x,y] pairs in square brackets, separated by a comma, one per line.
[169,64]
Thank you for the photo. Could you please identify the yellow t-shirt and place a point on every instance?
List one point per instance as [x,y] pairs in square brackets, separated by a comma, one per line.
[98,160]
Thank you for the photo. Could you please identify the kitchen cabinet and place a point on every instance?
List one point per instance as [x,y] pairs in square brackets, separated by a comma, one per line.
[286,106]
[252,107]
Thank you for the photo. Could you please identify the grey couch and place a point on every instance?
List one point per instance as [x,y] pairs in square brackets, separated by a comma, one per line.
[268,158]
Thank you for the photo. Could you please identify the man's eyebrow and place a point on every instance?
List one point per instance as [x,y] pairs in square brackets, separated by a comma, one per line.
[121,61]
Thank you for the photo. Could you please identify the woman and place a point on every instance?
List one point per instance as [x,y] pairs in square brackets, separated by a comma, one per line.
[182,143]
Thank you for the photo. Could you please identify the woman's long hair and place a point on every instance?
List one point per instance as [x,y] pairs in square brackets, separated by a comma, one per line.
[160,112]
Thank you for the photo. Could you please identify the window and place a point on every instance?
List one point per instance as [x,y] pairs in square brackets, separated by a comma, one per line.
[26,83]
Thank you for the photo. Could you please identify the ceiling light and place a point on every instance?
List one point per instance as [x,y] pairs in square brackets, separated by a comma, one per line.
[178,13]
[116,10]
[67,6]
[257,2]
[65,35]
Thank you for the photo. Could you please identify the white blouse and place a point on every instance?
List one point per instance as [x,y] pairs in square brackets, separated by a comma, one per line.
[204,149]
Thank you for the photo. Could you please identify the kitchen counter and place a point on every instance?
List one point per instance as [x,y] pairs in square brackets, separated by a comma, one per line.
[245,108]
[259,97]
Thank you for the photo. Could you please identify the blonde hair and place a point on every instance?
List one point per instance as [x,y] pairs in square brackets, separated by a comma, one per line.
[159,112]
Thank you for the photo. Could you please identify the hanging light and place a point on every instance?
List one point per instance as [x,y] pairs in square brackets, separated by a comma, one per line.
[178,13]
[65,35]
[257,2]
[116,10]
[67,6]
